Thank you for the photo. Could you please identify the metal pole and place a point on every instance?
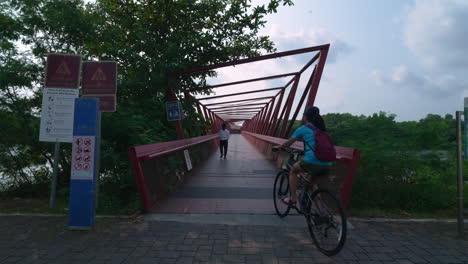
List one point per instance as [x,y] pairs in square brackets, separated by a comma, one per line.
[53,185]
[98,159]
[459,176]
[465,134]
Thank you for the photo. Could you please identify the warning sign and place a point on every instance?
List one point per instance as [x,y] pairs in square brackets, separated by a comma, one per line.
[63,71]
[83,157]
[99,77]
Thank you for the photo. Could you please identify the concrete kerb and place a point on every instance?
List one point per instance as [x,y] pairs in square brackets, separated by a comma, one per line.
[232,219]
[406,220]
[62,215]
[239,219]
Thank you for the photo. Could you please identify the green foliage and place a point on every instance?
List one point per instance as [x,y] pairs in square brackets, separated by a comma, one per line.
[404,165]
[147,39]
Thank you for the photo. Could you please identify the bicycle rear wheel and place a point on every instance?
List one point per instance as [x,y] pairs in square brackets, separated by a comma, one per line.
[280,191]
[326,221]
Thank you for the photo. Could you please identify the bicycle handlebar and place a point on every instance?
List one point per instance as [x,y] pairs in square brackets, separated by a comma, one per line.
[288,150]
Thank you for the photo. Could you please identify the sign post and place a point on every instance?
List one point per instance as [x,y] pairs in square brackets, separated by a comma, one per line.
[62,74]
[100,81]
[465,114]
[83,171]
[459,176]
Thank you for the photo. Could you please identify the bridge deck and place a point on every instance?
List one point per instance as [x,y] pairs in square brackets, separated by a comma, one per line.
[242,183]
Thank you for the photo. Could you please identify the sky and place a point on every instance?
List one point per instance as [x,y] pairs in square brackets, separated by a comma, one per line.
[402,57]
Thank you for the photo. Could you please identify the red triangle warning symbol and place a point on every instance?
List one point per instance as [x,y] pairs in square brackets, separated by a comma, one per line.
[63,69]
[99,75]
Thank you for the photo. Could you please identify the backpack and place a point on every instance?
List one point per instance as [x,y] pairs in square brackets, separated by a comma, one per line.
[324,148]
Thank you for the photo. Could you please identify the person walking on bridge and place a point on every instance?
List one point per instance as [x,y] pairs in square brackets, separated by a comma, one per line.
[223,140]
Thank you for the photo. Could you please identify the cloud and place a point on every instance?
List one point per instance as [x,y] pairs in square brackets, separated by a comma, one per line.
[434,86]
[301,38]
[436,32]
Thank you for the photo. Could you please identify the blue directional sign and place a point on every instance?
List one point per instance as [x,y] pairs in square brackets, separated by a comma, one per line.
[83,171]
[174,111]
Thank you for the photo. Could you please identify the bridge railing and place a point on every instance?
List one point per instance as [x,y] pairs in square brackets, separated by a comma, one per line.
[345,170]
[157,168]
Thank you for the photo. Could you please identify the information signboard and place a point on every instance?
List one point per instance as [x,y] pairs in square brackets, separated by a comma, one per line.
[57,114]
[63,71]
[174,111]
[99,77]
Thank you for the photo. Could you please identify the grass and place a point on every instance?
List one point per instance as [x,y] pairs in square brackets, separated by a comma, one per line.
[385,213]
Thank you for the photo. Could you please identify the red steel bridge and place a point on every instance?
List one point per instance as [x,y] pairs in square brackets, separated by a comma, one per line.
[265,117]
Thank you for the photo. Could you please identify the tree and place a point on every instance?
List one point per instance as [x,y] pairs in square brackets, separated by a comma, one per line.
[147,38]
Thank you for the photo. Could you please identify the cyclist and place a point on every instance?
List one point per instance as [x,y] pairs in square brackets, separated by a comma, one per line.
[309,163]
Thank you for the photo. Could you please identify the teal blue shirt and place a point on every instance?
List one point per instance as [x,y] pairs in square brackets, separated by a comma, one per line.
[307,134]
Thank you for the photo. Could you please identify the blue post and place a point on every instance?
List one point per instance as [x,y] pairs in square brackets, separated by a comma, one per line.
[83,171]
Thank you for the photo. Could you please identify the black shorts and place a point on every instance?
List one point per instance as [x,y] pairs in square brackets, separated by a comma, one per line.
[315,170]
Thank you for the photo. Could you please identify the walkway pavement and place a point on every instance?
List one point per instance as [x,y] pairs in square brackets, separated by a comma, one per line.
[47,240]
[242,183]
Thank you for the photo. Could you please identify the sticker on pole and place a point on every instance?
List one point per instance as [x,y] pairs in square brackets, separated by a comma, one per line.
[174,111]
[63,71]
[188,161]
[58,108]
[82,158]
[99,77]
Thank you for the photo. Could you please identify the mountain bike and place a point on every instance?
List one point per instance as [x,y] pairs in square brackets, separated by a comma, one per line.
[323,212]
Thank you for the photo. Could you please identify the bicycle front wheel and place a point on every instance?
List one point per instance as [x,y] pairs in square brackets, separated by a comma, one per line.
[280,191]
[326,221]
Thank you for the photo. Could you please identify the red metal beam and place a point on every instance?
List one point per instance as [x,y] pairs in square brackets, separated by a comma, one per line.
[234,94]
[202,117]
[268,119]
[280,118]
[288,109]
[245,113]
[277,119]
[275,114]
[235,106]
[317,76]
[304,94]
[310,63]
[244,81]
[241,109]
[247,60]
[244,100]
[260,120]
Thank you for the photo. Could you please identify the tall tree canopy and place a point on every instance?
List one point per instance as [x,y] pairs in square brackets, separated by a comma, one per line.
[147,38]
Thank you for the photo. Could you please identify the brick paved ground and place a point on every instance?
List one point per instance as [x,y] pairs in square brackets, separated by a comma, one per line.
[47,240]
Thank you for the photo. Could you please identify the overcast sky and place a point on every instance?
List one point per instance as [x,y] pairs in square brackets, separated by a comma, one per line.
[404,57]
